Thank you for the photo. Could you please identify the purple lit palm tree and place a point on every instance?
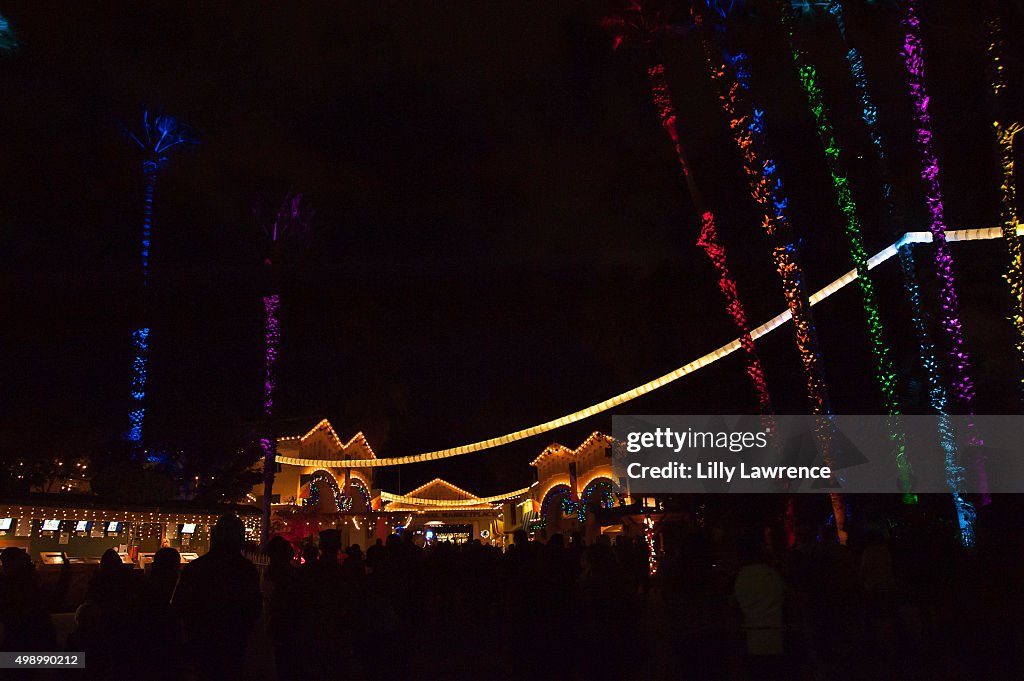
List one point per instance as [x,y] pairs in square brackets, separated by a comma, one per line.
[159,134]
[290,221]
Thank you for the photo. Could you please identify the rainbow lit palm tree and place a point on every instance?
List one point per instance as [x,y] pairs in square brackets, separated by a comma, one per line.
[641,26]
[747,125]
[290,221]
[885,374]
[159,134]
[937,392]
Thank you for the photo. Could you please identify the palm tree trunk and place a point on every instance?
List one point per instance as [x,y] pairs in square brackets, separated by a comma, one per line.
[268,442]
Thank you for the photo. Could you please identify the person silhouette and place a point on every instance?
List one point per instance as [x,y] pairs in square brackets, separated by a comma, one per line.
[279,599]
[218,597]
[155,625]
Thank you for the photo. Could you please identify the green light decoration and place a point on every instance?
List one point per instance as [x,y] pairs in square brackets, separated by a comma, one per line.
[885,374]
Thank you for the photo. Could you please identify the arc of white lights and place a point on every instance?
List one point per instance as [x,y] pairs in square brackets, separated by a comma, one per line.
[699,363]
[420,501]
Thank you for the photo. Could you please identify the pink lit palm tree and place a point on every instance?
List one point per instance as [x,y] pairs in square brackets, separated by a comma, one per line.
[290,221]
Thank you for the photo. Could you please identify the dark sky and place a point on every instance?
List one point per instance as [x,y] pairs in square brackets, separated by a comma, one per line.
[502,236]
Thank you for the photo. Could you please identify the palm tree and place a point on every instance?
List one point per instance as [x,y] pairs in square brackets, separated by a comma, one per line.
[961,382]
[290,221]
[885,375]
[747,125]
[8,41]
[640,26]
[937,393]
[159,134]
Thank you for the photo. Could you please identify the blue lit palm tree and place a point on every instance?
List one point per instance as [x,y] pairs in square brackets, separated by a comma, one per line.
[159,134]
[290,221]
[8,41]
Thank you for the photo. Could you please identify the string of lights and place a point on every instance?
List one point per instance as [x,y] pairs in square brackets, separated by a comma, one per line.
[420,501]
[661,381]
[885,374]
[961,383]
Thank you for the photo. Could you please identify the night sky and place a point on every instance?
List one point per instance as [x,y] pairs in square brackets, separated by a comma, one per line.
[501,237]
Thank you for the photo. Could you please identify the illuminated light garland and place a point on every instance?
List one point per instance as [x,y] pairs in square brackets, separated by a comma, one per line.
[938,399]
[764,329]
[602,485]
[314,491]
[420,501]
[360,487]
[550,496]
[885,374]
[961,383]
[160,134]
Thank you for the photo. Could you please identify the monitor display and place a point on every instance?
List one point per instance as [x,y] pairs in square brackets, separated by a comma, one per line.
[113,526]
[51,525]
[5,523]
[82,526]
[188,528]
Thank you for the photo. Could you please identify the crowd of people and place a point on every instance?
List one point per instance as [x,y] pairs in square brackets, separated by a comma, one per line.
[747,606]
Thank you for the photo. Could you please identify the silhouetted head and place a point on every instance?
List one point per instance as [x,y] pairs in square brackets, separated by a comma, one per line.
[310,553]
[14,559]
[228,534]
[330,542]
[519,537]
[166,561]
[110,560]
[280,550]
[557,541]
[829,535]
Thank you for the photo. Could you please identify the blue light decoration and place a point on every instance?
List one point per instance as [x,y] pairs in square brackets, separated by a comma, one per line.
[137,413]
[8,41]
[601,486]
[360,487]
[561,490]
[159,134]
[938,398]
[314,490]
